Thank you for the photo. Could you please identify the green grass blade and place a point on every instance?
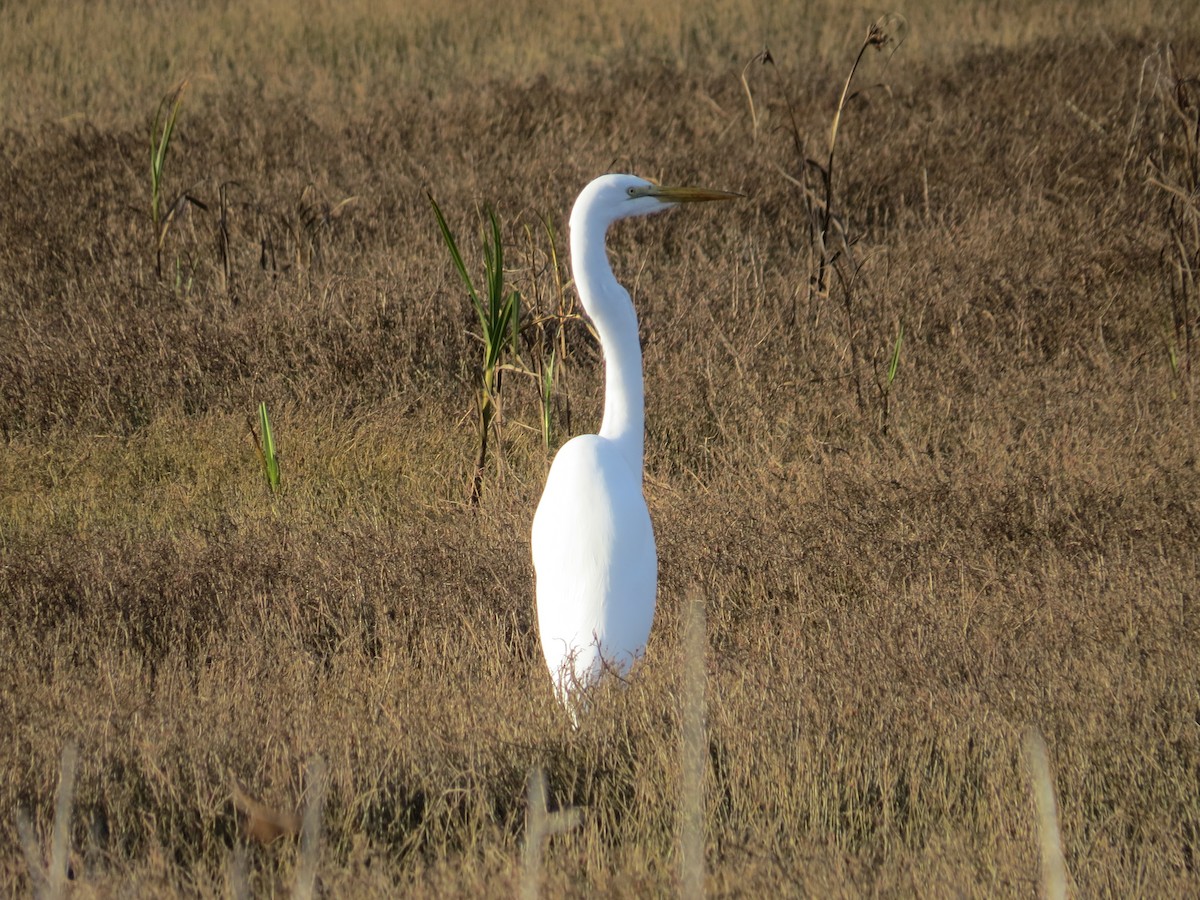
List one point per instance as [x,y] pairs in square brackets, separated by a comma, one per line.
[548,397]
[895,363]
[161,133]
[455,256]
[494,255]
[270,458]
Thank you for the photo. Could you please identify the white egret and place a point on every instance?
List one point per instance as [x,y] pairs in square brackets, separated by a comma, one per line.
[593,544]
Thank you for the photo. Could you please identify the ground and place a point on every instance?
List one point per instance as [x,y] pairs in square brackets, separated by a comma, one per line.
[903,572]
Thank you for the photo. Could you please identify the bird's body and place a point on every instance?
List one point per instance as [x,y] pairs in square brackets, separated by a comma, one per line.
[596,601]
[593,544]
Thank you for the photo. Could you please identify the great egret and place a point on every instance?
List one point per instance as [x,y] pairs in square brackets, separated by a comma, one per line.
[593,544]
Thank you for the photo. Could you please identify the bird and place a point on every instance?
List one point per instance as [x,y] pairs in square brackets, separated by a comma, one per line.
[594,557]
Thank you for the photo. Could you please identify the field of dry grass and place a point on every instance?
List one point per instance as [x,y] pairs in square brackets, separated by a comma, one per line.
[891,598]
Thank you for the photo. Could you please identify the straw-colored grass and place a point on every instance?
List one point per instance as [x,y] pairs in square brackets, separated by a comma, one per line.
[885,611]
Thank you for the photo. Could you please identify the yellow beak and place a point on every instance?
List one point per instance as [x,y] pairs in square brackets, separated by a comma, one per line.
[688,194]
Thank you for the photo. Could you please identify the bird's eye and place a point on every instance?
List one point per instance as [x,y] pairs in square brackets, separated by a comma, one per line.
[632,192]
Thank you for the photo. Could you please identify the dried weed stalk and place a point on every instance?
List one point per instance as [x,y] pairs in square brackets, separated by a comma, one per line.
[831,237]
[1174,169]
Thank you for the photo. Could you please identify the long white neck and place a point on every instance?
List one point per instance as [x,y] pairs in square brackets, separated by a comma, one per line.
[611,311]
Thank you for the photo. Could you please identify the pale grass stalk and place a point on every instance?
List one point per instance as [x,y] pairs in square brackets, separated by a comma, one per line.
[1037,764]
[60,846]
[694,747]
[33,854]
[539,825]
[50,885]
[310,834]
[235,874]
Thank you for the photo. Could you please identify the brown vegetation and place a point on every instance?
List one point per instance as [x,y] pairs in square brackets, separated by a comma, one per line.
[892,598]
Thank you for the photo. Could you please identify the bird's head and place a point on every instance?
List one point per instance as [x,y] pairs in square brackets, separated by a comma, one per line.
[612,197]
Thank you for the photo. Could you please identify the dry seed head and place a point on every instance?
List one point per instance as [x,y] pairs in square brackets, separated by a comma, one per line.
[888,31]
[263,823]
[1187,92]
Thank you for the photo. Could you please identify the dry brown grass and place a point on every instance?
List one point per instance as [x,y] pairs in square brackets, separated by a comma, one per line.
[885,614]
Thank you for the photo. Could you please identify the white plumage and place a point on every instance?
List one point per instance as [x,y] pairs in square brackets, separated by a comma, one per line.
[593,544]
